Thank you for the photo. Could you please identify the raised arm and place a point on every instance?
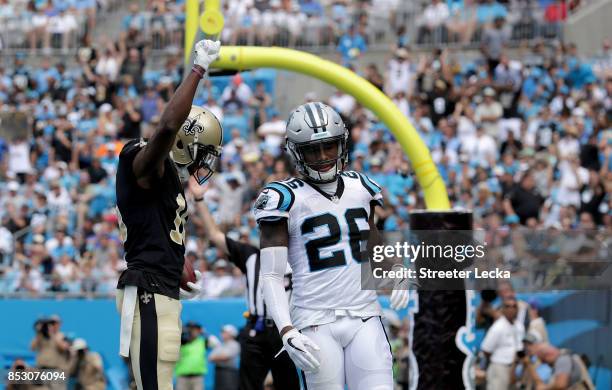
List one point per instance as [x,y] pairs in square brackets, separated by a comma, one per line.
[212,231]
[149,161]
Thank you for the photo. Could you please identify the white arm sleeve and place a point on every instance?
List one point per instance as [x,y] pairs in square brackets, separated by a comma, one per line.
[273,267]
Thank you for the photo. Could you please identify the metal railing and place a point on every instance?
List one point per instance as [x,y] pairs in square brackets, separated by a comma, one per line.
[311,33]
[17,33]
[466,27]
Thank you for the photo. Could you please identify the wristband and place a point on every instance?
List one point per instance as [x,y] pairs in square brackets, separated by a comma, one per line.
[198,70]
[198,199]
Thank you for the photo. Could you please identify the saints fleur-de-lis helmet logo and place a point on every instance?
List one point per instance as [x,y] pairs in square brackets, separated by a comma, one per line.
[193,126]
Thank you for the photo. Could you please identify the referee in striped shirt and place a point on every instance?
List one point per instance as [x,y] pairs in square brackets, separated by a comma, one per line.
[259,339]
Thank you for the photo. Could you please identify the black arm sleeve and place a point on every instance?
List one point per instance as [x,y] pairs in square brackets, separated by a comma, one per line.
[239,253]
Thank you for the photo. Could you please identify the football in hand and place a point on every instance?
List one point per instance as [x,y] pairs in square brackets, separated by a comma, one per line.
[188,275]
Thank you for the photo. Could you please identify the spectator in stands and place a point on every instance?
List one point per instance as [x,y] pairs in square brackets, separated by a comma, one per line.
[225,356]
[109,62]
[273,133]
[237,92]
[603,62]
[373,76]
[569,369]
[6,243]
[489,112]
[342,102]
[37,30]
[555,12]
[132,119]
[351,46]
[572,179]
[501,344]
[433,23]
[463,21]
[220,282]
[28,279]
[64,26]
[18,158]
[399,73]
[134,20]
[260,102]
[494,40]
[508,82]
[66,269]
[86,367]
[523,200]
[212,105]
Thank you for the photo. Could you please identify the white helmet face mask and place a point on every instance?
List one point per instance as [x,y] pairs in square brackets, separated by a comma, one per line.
[183,173]
[315,129]
[203,165]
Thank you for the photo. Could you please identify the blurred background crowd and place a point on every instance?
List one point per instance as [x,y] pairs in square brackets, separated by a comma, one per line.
[517,120]
[520,136]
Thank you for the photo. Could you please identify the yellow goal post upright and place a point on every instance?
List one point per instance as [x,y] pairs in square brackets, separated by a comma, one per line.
[246,57]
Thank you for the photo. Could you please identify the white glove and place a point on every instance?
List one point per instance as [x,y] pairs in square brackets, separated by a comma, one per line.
[399,298]
[206,52]
[297,346]
[401,293]
[194,286]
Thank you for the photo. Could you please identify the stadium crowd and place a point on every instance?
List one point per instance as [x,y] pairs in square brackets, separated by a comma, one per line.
[46,25]
[520,142]
[37,24]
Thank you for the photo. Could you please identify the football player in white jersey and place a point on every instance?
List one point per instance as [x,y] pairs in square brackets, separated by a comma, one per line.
[322,223]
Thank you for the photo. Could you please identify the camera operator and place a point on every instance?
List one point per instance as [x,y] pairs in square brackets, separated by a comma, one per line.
[192,365]
[20,365]
[86,366]
[569,370]
[52,349]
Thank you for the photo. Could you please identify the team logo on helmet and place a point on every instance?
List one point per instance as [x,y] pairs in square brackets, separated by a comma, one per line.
[191,126]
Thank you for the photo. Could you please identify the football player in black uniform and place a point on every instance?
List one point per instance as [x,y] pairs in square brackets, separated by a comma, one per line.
[152,212]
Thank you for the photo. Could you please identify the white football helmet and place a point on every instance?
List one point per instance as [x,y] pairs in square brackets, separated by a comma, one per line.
[312,128]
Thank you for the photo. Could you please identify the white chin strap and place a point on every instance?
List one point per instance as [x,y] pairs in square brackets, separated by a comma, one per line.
[326,176]
[183,173]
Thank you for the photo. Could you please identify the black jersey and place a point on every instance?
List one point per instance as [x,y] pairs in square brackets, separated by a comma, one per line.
[152,227]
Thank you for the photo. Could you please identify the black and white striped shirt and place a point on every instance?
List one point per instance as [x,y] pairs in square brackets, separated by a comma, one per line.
[246,258]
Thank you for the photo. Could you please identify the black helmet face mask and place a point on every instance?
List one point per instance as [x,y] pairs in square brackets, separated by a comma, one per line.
[323,160]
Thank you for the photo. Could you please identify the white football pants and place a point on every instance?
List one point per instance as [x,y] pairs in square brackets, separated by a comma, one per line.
[354,352]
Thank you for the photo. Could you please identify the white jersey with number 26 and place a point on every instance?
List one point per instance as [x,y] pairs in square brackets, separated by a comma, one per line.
[327,243]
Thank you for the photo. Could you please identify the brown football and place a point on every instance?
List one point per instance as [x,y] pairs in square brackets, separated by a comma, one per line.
[188,275]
